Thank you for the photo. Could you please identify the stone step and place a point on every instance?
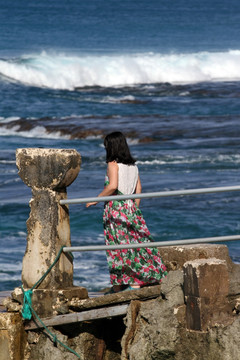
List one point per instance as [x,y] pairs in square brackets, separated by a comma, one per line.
[4,294]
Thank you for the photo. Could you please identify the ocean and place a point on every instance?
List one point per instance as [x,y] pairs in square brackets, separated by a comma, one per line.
[167,74]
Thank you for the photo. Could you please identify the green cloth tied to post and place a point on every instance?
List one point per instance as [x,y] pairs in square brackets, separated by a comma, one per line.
[27,309]
[27,295]
[27,304]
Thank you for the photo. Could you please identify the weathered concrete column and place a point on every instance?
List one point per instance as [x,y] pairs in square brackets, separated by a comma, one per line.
[206,289]
[48,172]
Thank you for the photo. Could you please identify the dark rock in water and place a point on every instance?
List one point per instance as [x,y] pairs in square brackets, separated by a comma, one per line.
[74,128]
[134,101]
[146,140]
[82,134]
[21,124]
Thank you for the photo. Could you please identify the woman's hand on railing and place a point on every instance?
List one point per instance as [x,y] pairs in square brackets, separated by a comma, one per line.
[91,204]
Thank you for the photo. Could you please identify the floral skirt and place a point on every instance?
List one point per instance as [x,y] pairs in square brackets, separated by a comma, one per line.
[124,224]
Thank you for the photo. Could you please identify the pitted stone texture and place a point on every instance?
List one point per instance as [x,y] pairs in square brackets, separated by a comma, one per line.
[175,257]
[48,172]
[204,313]
[48,168]
[152,326]
[13,338]
[206,278]
[206,289]
[48,302]
[234,275]
[172,288]
[48,229]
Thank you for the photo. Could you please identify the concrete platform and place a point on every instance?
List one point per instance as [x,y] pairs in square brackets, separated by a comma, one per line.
[4,294]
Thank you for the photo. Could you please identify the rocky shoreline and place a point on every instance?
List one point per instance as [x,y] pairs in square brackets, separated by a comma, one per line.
[81,128]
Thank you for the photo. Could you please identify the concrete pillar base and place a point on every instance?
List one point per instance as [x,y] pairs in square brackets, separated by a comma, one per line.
[49,302]
[13,338]
[206,288]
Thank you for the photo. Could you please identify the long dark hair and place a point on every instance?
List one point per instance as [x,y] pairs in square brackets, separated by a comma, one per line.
[117,149]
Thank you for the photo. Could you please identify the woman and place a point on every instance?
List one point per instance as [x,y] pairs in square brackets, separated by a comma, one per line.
[124,224]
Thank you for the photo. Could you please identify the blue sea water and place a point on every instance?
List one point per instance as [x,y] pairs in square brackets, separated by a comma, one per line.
[166,73]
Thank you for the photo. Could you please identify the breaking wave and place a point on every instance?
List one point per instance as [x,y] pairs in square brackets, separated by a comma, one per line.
[58,71]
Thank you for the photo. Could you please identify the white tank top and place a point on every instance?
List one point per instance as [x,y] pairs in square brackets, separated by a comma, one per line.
[127,178]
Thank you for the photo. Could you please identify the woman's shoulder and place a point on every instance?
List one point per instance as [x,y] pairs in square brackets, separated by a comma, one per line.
[112,163]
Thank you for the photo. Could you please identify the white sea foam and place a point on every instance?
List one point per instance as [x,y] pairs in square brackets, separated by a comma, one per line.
[192,160]
[132,141]
[7,162]
[10,181]
[118,100]
[8,119]
[59,71]
[10,267]
[22,233]
[37,132]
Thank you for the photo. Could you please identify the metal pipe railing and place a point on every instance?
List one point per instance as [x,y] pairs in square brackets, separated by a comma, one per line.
[152,195]
[152,244]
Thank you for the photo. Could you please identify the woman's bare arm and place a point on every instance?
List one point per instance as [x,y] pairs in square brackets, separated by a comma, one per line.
[138,190]
[113,182]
